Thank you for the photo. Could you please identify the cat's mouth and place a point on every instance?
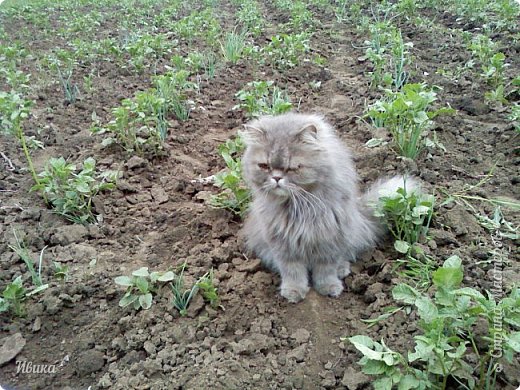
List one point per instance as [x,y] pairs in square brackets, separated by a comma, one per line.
[278,190]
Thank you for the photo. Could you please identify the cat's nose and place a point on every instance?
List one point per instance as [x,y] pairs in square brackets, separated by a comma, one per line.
[277,178]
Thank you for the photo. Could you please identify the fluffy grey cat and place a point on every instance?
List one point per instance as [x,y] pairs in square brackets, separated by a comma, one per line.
[307,216]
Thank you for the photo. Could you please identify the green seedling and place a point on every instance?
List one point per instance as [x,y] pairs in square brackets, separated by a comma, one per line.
[208,290]
[14,110]
[407,214]
[250,17]
[235,196]
[12,298]
[286,51]
[146,49]
[70,90]
[515,116]
[233,46]
[23,253]
[262,97]
[301,18]
[407,115]
[140,124]
[141,286]
[69,193]
[446,347]
[172,87]
[61,272]
[198,24]
[182,297]
[498,224]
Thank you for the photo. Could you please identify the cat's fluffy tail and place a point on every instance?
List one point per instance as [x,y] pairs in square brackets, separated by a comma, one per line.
[388,186]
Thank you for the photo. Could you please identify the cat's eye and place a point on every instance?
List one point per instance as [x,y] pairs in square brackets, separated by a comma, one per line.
[263,166]
[292,169]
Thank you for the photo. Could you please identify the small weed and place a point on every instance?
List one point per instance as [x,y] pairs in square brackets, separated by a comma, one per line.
[286,51]
[233,46]
[408,116]
[69,193]
[61,272]
[14,110]
[12,298]
[407,215]
[208,290]
[182,297]
[70,90]
[235,196]
[141,286]
[250,17]
[515,116]
[262,97]
[23,253]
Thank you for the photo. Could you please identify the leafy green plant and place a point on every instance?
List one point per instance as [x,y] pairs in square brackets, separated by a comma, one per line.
[233,46]
[198,24]
[235,195]
[14,110]
[23,253]
[407,115]
[208,290]
[12,298]
[69,193]
[262,97]
[172,87]
[144,49]
[286,50]
[182,297]
[407,214]
[250,17]
[464,335]
[515,116]
[141,286]
[301,18]
[140,125]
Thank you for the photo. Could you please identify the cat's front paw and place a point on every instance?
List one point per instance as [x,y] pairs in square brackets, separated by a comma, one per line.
[343,270]
[331,289]
[294,294]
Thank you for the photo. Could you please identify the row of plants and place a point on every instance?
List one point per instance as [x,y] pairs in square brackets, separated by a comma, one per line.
[451,348]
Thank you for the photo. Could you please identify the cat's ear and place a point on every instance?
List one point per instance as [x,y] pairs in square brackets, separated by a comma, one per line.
[307,134]
[253,135]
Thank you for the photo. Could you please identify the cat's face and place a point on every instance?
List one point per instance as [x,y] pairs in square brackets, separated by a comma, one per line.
[282,162]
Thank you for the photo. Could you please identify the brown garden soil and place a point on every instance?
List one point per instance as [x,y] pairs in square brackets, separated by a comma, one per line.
[158,217]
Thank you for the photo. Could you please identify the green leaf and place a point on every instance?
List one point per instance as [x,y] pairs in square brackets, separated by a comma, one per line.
[452,262]
[142,284]
[374,367]
[426,309]
[166,277]
[470,292]
[4,305]
[364,345]
[402,246]
[448,278]
[403,292]
[145,300]
[124,281]
[408,382]
[513,341]
[143,272]
[127,300]
[383,384]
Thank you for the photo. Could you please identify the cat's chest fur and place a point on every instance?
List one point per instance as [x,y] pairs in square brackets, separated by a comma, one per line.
[303,231]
